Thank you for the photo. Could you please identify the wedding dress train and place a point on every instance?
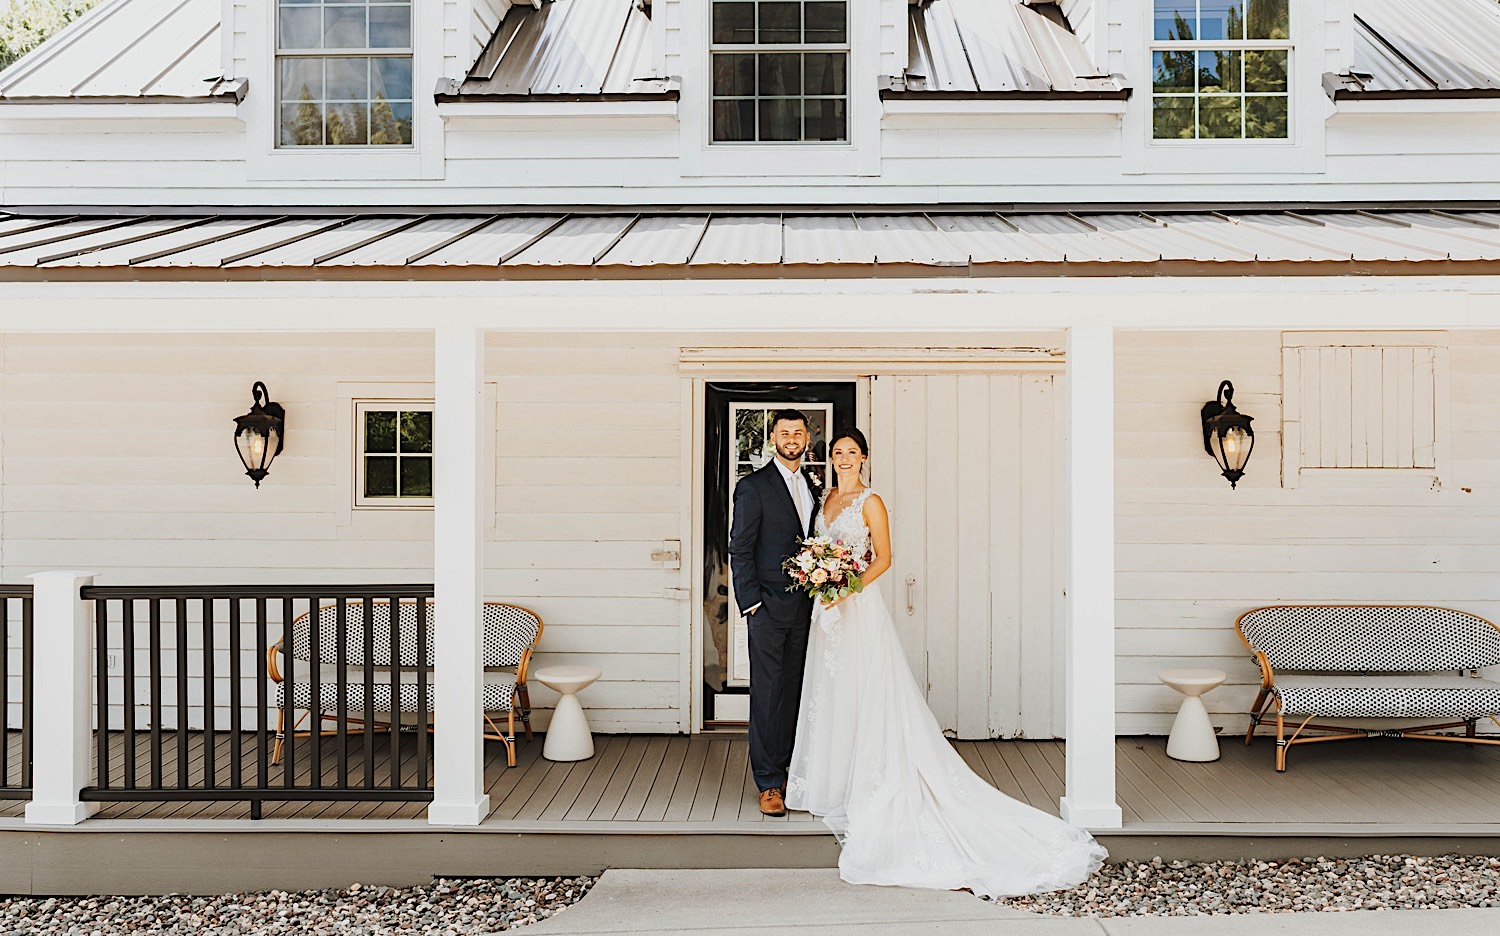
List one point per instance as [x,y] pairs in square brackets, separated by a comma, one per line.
[871,761]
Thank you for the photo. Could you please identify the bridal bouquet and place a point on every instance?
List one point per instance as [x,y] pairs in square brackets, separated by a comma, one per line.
[828,570]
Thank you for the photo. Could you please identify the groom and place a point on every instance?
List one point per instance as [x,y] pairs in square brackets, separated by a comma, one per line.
[773,509]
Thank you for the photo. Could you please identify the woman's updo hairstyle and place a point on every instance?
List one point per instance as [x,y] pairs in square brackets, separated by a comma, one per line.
[857,437]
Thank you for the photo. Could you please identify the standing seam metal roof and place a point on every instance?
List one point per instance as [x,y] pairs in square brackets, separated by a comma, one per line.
[1431,48]
[759,244]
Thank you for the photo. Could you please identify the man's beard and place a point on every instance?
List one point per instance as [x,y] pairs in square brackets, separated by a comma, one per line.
[795,455]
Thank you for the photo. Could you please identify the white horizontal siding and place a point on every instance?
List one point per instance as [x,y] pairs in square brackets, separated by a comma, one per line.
[1193,554]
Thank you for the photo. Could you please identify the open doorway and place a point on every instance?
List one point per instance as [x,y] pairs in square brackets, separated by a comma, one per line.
[737,420]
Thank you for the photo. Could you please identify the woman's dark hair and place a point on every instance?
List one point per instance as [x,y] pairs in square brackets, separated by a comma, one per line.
[853,434]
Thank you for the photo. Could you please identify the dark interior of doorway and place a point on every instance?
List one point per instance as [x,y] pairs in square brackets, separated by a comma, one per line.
[716,487]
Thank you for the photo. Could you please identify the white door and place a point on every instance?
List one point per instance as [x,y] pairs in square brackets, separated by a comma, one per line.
[970,466]
[749,448]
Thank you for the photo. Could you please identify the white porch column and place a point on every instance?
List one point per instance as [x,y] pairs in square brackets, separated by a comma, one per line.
[61,719]
[1089,798]
[458,574]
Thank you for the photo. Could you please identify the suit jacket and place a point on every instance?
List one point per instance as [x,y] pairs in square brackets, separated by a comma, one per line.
[764,533]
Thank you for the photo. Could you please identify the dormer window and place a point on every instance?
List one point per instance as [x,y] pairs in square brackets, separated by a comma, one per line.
[780,71]
[343,73]
[1219,69]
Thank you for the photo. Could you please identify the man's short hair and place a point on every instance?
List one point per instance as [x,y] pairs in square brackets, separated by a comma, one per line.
[790,415]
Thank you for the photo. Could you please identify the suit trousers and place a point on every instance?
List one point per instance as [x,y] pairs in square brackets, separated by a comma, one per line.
[778,654]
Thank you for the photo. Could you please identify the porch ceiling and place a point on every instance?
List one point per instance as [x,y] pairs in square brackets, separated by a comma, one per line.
[691,243]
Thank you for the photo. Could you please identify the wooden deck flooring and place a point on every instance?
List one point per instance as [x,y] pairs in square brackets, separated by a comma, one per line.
[702,784]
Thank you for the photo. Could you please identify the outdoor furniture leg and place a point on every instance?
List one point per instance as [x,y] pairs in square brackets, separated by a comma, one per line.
[1281,744]
[1256,711]
[1470,729]
[525,709]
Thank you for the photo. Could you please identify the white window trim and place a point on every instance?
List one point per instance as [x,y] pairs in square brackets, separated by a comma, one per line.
[1308,108]
[361,501]
[758,48]
[1294,475]
[339,166]
[858,157]
[351,518]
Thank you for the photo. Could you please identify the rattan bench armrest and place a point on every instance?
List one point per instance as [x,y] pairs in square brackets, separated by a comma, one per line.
[272,669]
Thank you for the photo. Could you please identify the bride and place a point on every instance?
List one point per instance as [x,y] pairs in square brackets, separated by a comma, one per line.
[871,761]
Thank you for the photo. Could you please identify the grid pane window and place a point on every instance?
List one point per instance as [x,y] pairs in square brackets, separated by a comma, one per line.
[780,71]
[395,454]
[344,73]
[1220,69]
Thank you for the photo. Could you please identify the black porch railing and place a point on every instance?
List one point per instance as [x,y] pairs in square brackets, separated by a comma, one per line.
[192,711]
[15,690]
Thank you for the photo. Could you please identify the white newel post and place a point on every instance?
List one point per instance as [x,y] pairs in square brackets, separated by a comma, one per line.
[458,575]
[61,717]
[1089,797]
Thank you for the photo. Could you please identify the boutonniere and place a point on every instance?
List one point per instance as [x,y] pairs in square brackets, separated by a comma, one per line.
[812,479]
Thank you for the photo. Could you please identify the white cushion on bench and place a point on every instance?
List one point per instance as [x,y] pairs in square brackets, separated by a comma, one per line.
[1374,696]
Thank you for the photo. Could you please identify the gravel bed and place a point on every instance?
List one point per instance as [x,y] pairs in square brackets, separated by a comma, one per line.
[458,907]
[1184,888]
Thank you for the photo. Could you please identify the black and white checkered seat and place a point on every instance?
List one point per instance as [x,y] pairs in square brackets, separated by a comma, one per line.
[499,695]
[1388,696]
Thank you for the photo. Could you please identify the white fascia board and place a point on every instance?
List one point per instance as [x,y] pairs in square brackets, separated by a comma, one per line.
[117,110]
[983,107]
[1417,105]
[593,110]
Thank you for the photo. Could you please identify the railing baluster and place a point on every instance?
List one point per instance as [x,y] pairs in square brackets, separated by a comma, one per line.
[315,683]
[184,780]
[395,696]
[341,687]
[422,714]
[369,676]
[236,729]
[262,696]
[127,697]
[101,679]
[210,737]
[289,685]
[157,666]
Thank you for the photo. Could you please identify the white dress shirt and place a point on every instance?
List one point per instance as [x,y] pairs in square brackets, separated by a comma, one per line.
[802,497]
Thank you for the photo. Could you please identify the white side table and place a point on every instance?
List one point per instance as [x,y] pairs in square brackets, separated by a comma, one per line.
[1192,737]
[568,736]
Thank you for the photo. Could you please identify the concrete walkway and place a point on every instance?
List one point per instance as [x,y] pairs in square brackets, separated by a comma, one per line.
[817,903]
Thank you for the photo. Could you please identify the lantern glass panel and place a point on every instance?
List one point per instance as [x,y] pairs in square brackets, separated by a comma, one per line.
[1236,448]
[252,447]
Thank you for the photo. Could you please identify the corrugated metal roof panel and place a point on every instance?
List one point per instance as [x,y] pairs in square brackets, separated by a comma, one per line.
[1431,47]
[678,240]
[740,240]
[667,240]
[492,243]
[568,47]
[580,241]
[998,47]
[128,49]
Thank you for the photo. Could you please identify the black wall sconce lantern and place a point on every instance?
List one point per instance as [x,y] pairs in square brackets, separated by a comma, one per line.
[1227,435]
[259,434]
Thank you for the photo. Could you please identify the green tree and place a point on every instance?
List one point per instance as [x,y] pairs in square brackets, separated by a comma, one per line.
[308,128]
[26,24]
[384,129]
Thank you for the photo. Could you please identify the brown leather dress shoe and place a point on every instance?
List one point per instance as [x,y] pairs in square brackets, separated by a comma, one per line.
[771,803]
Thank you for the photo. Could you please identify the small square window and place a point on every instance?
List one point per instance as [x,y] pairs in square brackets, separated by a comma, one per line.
[393,454]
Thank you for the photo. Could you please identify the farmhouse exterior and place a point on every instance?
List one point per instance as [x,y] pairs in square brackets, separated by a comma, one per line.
[1020,244]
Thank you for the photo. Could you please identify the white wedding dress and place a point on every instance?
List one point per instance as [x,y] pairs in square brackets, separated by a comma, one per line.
[871,761]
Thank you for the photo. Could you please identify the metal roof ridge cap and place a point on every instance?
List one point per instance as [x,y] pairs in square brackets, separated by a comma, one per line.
[190,223]
[510,255]
[374,238]
[275,245]
[147,258]
[618,237]
[449,241]
[708,218]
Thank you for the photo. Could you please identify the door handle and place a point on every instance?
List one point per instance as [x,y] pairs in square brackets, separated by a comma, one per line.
[911,595]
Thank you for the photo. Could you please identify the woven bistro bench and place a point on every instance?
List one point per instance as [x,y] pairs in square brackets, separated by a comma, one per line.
[1328,662]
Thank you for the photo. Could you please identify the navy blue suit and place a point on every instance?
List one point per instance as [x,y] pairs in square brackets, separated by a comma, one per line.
[765,532]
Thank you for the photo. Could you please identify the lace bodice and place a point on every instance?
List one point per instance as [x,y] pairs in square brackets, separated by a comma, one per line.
[849,525]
